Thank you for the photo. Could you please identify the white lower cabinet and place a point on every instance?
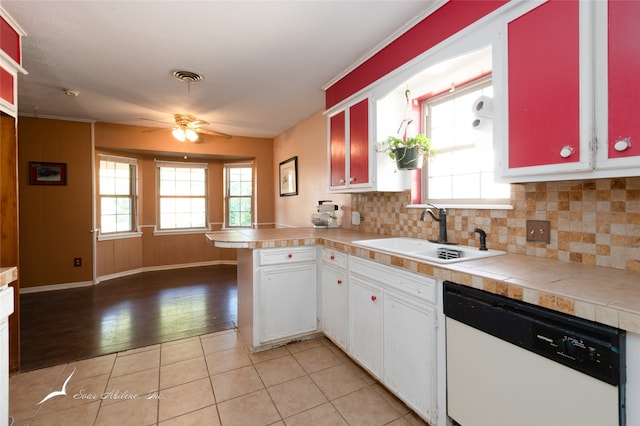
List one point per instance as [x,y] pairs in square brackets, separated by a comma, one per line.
[277,295]
[334,296]
[409,352]
[393,319]
[633,379]
[365,324]
[287,301]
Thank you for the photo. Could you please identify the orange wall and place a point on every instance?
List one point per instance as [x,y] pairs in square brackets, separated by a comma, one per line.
[55,221]
[308,141]
[120,137]
[148,251]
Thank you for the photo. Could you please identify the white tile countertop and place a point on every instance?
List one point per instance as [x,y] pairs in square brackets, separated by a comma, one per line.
[606,295]
[8,275]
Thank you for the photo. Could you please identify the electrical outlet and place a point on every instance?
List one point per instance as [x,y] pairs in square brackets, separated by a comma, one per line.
[77,261]
[539,231]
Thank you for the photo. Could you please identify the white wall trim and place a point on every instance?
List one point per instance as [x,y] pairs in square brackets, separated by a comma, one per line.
[65,286]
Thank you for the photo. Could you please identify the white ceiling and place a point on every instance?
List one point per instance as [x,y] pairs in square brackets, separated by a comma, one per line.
[264,63]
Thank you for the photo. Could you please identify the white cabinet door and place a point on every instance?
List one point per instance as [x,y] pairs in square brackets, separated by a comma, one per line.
[365,324]
[633,378]
[410,353]
[287,301]
[334,305]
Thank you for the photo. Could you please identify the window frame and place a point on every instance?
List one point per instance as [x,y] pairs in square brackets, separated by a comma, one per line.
[133,187]
[479,83]
[186,165]
[227,196]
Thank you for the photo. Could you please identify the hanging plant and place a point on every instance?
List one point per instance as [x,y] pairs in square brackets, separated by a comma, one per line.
[409,153]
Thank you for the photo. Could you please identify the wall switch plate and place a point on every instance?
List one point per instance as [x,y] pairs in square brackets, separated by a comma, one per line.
[77,261]
[355,218]
[539,231]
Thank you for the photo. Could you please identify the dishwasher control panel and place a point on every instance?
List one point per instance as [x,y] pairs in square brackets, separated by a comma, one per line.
[589,347]
[590,355]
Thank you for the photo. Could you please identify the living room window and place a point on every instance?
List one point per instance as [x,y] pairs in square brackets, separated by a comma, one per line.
[182,196]
[462,170]
[238,195]
[118,194]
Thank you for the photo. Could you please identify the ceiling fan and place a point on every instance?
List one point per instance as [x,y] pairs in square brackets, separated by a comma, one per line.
[187,128]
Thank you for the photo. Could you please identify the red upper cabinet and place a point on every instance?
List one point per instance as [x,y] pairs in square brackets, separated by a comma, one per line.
[349,146]
[359,142]
[570,89]
[544,85]
[547,91]
[623,73]
[355,165]
[337,152]
[10,63]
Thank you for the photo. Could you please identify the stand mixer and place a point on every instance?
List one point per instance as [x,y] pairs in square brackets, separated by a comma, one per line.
[326,216]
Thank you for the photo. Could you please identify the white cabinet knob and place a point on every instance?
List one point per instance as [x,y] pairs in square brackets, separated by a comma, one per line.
[622,144]
[566,151]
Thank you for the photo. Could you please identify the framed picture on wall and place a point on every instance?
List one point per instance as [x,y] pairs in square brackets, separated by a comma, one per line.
[289,177]
[47,173]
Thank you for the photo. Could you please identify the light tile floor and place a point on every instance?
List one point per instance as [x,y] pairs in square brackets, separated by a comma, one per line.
[208,380]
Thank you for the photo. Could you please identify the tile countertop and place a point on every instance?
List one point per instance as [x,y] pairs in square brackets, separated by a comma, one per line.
[8,275]
[606,295]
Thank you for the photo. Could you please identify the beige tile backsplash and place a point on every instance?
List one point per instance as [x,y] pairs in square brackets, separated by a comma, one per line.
[594,222]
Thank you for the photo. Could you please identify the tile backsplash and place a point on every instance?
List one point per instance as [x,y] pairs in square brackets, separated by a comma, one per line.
[594,222]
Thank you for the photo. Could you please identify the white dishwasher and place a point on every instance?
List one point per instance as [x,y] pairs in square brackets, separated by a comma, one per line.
[515,364]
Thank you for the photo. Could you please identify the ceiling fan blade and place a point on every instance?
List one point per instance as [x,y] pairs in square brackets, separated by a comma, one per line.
[156,130]
[198,123]
[156,121]
[213,133]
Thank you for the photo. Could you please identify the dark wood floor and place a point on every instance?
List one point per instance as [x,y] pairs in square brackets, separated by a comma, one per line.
[125,313]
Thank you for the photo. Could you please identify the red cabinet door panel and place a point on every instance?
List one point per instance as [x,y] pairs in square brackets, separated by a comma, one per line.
[337,144]
[624,76]
[9,41]
[544,90]
[6,86]
[359,142]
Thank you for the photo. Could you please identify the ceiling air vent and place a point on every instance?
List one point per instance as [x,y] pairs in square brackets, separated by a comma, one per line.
[187,76]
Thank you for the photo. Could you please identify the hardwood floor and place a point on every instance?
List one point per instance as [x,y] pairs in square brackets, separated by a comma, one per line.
[125,313]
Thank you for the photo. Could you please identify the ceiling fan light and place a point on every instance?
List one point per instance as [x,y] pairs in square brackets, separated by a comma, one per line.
[191,135]
[179,134]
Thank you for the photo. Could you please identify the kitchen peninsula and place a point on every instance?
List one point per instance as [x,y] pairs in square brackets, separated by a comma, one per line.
[298,282]
[606,295]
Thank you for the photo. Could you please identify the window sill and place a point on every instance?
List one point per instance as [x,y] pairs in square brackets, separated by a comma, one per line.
[470,206]
[180,231]
[119,236]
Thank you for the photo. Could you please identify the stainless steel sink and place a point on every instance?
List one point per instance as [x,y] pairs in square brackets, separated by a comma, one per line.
[427,250]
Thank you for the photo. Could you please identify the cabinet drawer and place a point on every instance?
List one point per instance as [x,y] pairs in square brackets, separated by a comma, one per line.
[287,255]
[413,284]
[334,257]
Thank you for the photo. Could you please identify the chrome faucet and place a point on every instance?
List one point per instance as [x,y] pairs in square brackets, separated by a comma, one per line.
[441,219]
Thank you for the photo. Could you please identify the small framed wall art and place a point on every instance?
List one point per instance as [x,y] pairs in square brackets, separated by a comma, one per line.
[289,177]
[47,173]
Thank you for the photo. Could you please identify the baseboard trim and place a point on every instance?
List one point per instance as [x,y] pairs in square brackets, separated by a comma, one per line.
[65,286]
[52,287]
